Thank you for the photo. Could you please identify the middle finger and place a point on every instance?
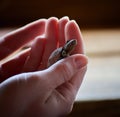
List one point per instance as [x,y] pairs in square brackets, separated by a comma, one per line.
[51,35]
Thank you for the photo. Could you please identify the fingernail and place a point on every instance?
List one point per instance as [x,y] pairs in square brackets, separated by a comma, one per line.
[81,62]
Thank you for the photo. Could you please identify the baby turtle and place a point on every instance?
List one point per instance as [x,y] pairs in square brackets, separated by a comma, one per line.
[62,52]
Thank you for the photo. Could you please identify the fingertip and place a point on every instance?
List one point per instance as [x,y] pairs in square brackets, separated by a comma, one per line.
[72,25]
[38,26]
[64,18]
[52,19]
[39,41]
[51,26]
[36,22]
[80,60]
[72,31]
[33,61]
[62,22]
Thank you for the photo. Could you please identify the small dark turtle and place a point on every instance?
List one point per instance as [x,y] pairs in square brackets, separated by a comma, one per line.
[62,52]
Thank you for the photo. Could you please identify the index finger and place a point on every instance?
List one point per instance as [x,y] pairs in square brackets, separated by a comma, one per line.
[16,39]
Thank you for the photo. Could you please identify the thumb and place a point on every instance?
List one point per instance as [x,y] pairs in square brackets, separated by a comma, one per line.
[63,70]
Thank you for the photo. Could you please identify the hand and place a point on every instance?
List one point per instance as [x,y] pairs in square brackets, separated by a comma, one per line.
[37,90]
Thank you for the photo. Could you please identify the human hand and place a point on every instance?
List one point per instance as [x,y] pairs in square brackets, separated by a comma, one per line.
[12,41]
[34,93]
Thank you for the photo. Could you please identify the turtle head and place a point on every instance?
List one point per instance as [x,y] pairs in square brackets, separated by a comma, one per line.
[68,47]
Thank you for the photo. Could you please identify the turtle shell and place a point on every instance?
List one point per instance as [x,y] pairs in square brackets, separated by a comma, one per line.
[55,56]
[62,52]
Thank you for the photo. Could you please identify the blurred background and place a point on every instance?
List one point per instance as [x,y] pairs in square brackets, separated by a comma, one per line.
[99,21]
[100,13]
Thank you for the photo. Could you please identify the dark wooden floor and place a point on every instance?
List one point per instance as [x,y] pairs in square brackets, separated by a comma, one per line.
[105,108]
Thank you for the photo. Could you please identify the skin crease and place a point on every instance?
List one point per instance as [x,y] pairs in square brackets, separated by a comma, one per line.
[32,89]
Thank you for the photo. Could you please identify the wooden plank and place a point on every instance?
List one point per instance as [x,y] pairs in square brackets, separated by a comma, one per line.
[106,108]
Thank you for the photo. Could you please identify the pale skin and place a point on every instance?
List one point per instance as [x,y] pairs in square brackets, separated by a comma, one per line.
[28,88]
